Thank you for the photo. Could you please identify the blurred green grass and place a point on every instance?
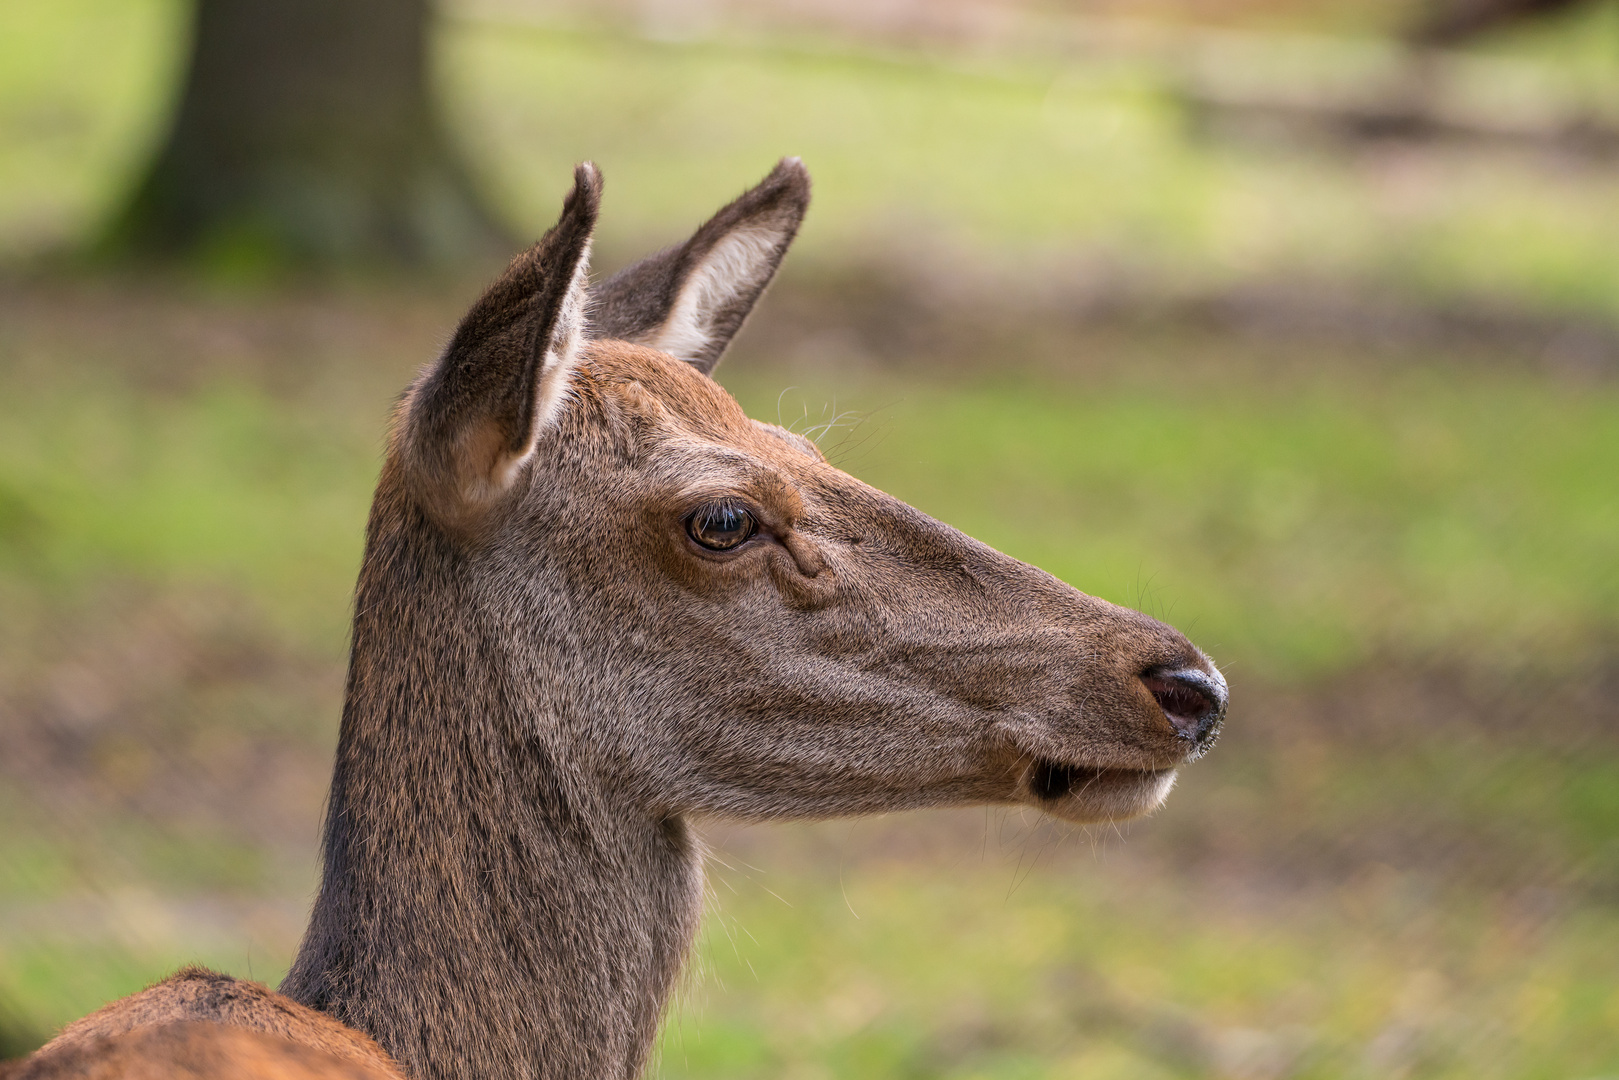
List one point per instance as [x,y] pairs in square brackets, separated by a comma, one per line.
[1080,971]
[1303,524]
[226,484]
[1031,162]
[1298,526]
[83,85]
[1317,520]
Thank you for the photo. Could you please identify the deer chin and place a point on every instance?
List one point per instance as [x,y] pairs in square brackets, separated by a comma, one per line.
[1088,794]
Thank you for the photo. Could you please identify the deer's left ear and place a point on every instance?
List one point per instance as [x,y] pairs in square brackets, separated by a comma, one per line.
[472,421]
[689,301]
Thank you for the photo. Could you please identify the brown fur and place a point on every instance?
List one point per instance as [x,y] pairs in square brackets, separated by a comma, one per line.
[198,1049]
[196,1023]
[550,678]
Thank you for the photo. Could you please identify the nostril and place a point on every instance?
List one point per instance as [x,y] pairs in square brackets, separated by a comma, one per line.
[1192,702]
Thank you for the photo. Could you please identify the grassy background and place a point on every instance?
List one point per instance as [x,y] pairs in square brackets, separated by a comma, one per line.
[1034,161]
[1403,860]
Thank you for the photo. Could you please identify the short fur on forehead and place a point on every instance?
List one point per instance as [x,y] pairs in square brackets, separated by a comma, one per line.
[654,384]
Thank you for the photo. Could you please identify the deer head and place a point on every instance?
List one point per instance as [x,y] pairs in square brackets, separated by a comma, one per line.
[597,599]
[712,617]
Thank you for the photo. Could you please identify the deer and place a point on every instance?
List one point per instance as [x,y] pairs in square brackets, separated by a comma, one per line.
[597,604]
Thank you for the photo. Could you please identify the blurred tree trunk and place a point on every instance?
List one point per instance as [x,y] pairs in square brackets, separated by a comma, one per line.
[306,135]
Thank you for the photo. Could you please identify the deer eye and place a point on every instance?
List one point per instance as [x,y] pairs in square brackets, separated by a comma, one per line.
[720,527]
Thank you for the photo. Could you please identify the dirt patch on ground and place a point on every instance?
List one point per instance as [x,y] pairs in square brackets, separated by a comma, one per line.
[941,309]
[931,310]
[166,714]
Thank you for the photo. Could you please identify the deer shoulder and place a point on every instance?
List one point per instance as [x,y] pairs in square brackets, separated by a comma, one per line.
[199,1023]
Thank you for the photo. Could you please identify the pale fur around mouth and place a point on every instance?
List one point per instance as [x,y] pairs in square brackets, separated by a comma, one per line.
[1083,794]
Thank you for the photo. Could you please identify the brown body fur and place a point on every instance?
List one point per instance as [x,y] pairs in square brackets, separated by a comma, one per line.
[556,666]
[200,1049]
[195,1023]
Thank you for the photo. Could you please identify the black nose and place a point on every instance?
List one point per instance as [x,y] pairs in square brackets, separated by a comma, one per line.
[1193,701]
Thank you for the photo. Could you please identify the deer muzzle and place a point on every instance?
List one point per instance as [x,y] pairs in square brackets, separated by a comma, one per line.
[1187,701]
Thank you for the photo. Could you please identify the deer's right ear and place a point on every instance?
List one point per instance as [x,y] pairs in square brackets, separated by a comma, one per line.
[689,301]
[471,422]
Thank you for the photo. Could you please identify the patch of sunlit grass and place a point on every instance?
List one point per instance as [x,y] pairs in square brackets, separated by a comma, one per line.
[1021,163]
[1078,968]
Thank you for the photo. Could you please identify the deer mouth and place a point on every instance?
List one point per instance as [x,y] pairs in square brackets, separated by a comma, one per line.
[1084,793]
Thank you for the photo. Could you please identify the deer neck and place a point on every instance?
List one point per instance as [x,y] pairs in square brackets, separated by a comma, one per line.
[483,911]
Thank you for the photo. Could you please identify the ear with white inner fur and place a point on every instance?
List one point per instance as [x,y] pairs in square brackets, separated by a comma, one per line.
[691,300]
[472,420]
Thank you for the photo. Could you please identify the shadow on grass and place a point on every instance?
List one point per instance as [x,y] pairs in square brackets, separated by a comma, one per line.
[18,1035]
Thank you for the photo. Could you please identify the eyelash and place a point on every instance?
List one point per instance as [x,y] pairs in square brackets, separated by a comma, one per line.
[721,526]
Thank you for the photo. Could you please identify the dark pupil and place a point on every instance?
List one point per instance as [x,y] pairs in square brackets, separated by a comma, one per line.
[721,527]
